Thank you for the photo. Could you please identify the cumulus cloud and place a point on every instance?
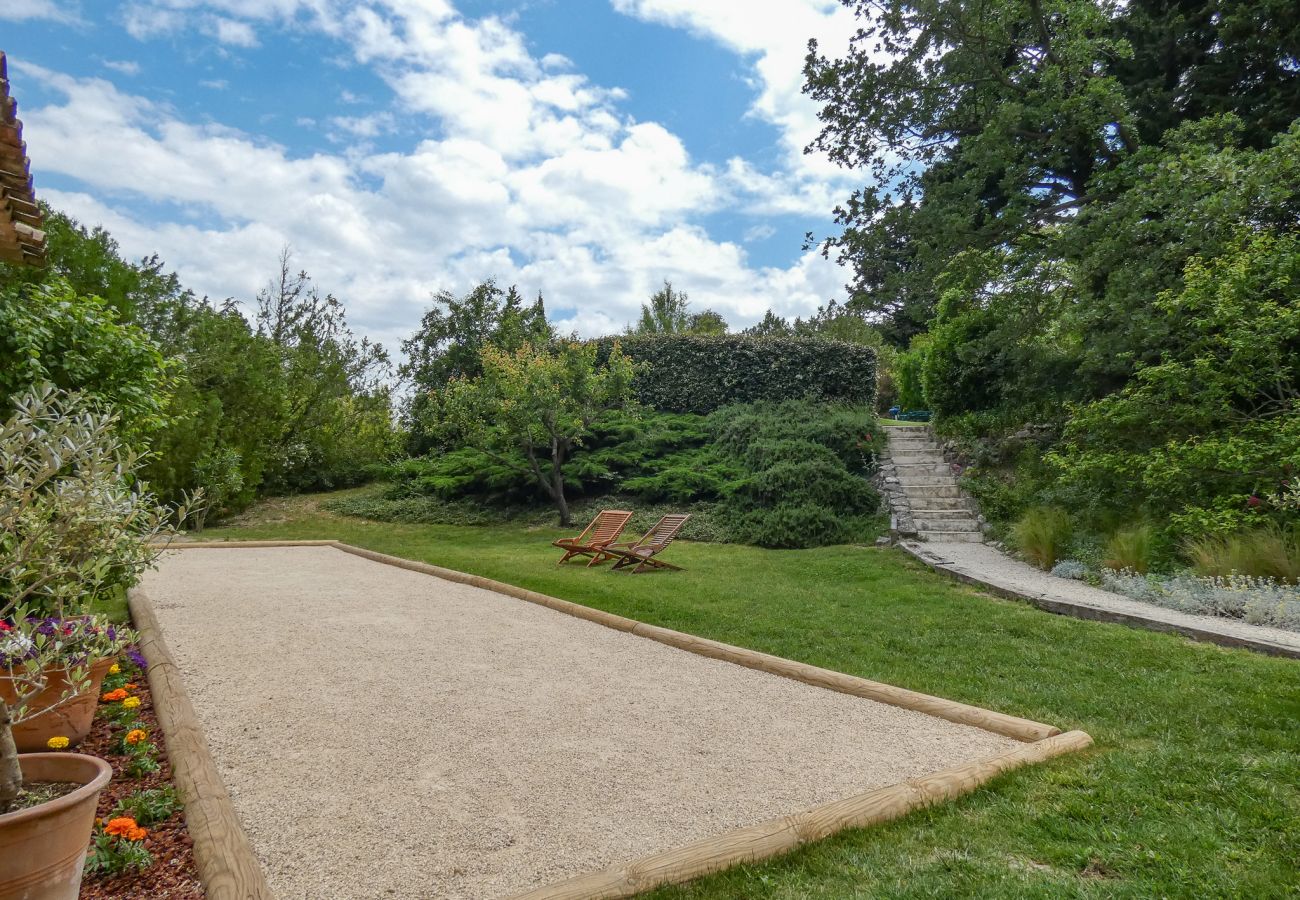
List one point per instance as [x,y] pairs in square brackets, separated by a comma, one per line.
[31,10]
[530,173]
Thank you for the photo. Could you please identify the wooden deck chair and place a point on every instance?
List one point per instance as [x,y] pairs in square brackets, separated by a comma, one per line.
[603,530]
[641,553]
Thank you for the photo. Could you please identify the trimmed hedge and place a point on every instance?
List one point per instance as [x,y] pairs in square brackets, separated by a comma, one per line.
[699,373]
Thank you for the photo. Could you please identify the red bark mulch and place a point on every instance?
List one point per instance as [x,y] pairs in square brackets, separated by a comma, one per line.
[173,875]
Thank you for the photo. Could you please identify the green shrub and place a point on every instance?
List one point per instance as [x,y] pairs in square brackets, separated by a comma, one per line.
[1130,549]
[1267,552]
[699,373]
[1041,534]
[790,525]
[819,481]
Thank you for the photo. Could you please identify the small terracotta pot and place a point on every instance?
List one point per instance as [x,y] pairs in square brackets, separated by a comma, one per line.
[72,720]
[42,849]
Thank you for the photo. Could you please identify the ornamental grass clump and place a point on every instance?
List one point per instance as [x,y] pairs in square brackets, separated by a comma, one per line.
[1130,549]
[1041,535]
[74,524]
[1268,552]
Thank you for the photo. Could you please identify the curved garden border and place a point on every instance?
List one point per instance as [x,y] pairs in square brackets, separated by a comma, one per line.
[1171,621]
[230,869]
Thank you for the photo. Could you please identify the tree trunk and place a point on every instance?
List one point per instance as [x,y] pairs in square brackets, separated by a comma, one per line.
[557,481]
[562,505]
[11,775]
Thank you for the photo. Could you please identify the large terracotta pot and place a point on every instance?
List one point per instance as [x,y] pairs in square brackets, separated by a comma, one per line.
[71,720]
[42,849]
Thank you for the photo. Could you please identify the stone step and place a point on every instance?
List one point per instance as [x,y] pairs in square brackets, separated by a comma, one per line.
[944,512]
[917,479]
[907,456]
[958,537]
[922,523]
[908,470]
[928,491]
[934,506]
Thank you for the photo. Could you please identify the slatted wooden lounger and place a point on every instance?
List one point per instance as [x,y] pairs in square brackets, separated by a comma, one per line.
[603,530]
[640,553]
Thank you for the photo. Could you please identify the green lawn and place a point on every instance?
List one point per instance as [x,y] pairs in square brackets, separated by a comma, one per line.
[1192,789]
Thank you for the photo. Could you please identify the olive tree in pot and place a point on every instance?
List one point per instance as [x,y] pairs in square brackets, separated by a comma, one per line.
[74,524]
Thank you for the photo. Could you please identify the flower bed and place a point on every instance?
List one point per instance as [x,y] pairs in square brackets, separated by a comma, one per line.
[140,827]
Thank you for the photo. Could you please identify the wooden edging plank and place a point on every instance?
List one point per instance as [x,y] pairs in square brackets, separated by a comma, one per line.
[777,836]
[230,869]
[225,859]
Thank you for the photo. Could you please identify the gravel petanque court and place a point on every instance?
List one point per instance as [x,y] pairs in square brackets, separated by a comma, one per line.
[385,733]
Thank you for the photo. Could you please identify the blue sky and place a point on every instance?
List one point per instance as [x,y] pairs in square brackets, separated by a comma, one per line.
[588,149]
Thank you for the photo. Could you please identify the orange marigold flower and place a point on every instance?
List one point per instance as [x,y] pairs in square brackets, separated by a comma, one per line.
[131,687]
[135,736]
[122,826]
[114,696]
[136,834]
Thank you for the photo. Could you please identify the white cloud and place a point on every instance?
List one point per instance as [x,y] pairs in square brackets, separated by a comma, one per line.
[28,10]
[537,177]
[125,66]
[231,31]
[773,36]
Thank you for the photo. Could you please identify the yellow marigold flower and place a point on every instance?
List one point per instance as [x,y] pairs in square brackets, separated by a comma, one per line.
[57,743]
[135,736]
[114,669]
[130,702]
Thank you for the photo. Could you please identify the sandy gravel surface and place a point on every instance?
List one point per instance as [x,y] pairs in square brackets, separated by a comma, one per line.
[385,733]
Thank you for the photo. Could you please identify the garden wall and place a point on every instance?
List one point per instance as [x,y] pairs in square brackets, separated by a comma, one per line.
[698,374]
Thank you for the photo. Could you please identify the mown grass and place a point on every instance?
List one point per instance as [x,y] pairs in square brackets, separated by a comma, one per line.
[1192,789]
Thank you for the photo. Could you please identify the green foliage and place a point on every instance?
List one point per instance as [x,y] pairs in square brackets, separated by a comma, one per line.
[1041,534]
[1215,420]
[1092,208]
[529,409]
[449,343]
[1130,549]
[729,469]
[699,374]
[1267,552]
[49,334]
[148,806]
[295,402]
[668,312]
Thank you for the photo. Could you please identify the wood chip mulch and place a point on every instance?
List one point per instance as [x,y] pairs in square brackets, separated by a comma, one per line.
[173,875]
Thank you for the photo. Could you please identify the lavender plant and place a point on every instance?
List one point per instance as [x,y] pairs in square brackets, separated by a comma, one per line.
[73,523]
[1259,601]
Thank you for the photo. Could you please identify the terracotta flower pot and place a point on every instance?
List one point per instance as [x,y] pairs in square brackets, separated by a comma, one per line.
[71,720]
[42,849]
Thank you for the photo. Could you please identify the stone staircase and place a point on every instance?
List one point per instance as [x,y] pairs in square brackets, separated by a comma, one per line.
[925,498]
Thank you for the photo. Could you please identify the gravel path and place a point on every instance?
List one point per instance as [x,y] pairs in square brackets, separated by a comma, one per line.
[385,733]
[999,570]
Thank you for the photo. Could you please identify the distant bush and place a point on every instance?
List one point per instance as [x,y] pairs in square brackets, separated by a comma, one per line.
[795,525]
[1268,552]
[1041,534]
[700,374]
[752,471]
